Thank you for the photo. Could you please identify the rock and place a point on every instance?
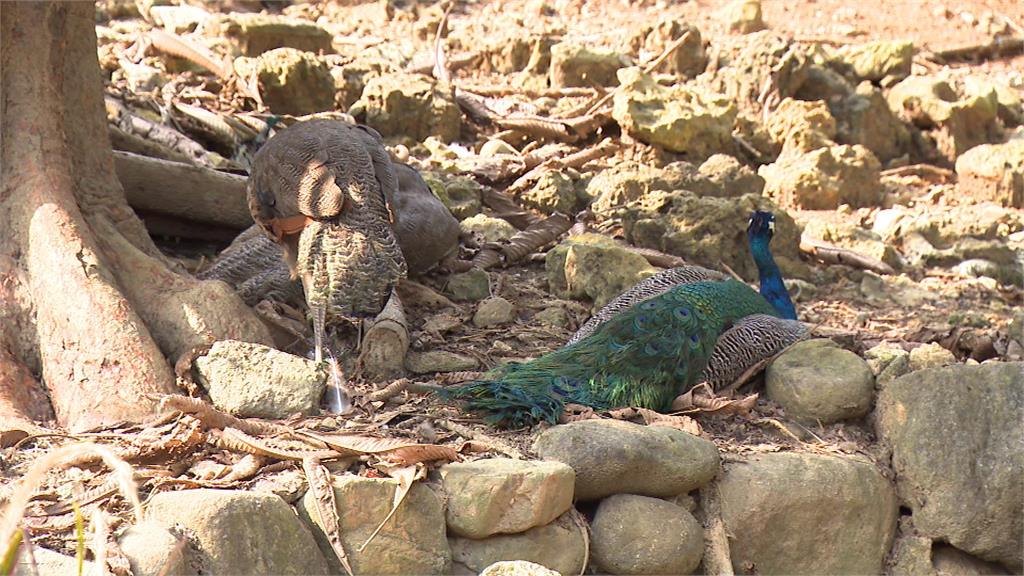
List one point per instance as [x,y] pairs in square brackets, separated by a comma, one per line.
[489,229]
[46,562]
[825,178]
[497,147]
[554,316]
[681,118]
[578,65]
[626,182]
[752,60]
[517,568]
[824,84]
[1011,109]
[433,361]
[461,194]
[504,496]
[153,550]
[948,561]
[743,16]
[140,78]
[875,61]
[955,435]
[993,172]
[613,457]
[888,362]
[931,355]
[560,546]
[708,231]
[847,234]
[816,381]
[471,285]
[728,178]
[593,266]
[256,381]
[642,535]
[254,34]
[412,541]
[959,123]
[493,311]
[801,126]
[553,192]
[233,531]
[898,289]
[290,81]
[825,514]
[410,105]
[865,118]
[688,60]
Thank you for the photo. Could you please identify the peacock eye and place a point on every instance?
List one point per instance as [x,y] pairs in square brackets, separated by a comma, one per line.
[648,305]
[682,312]
[694,338]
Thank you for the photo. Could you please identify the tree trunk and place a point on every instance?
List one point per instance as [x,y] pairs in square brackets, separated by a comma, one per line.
[87,302]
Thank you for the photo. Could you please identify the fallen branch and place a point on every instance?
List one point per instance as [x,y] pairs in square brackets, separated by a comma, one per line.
[184,191]
[382,355]
[998,47]
[935,174]
[835,255]
[523,243]
[129,123]
[717,558]
[606,147]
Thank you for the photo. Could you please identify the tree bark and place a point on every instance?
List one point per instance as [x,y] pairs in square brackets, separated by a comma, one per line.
[87,300]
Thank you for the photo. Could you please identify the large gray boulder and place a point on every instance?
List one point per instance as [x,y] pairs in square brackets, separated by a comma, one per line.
[956,439]
[643,535]
[793,513]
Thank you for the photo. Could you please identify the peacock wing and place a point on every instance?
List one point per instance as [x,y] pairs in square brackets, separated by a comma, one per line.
[747,342]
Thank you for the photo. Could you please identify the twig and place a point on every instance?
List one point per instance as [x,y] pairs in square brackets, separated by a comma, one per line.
[928,172]
[607,147]
[998,47]
[836,255]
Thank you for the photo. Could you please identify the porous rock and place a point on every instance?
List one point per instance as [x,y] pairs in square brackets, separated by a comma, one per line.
[412,541]
[642,535]
[815,380]
[875,61]
[955,436]
[574,64]
[559,545]
[613,457]
[290,81]
[553,192]
[232,531]
[489,229]
[154,550]
[931,355]
[993,172]
[826,514]
[864,118]
[471,285]
[824,178]
[254,34]
[681,118]
[253,380]
[593,266]
[410,105]
[493,311]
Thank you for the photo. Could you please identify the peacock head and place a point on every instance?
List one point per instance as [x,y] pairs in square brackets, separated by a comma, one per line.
[761,225]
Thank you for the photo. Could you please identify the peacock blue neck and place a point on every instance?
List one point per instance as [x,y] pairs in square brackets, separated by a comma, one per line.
[772,287]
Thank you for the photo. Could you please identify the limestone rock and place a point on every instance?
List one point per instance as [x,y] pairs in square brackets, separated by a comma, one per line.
[743,16]
[461,194]
[497,147]
[688,60]
[613,457]
[593,266]
[471,285]
[824,178]
[727,178]
[559,546]
[825,514]
[493,311]
[290,81]
[412,541]
[993,172]
[684,119]
[46,562]
[153,550]
[254,34]
[958,124]
[553,192]
[707,230]
[253,380]
[865,118]
[1011,107]
[577,65]
[931,355]
[642,535]
[626,182]
[955,435]
[802,126]
[815,380]
[555,316]
[876,61]
[410,105]
[502,495]
[233,531]
[433,361]
[888,362]
[517,568]
[488,228]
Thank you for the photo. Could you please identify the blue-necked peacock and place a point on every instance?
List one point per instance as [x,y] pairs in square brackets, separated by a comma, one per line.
[650,344]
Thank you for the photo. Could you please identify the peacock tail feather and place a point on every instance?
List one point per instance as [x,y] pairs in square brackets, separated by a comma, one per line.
[644,357]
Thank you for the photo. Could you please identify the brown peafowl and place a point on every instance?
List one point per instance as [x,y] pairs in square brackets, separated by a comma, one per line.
[650,344]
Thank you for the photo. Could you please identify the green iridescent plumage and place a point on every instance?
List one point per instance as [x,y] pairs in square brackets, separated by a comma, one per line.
[645,357]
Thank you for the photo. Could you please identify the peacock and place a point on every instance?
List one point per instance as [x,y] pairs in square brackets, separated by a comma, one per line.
[650,344]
